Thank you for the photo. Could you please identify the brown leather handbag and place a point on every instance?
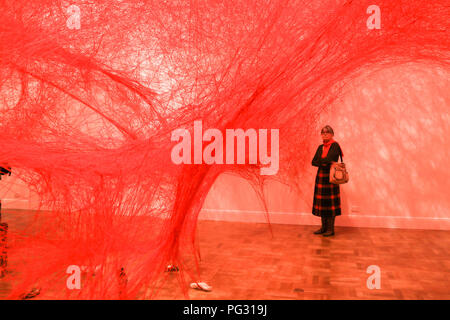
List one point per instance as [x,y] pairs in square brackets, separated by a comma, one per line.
[338,172]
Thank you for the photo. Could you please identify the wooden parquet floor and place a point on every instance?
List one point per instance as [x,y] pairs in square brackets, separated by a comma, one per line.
[244,261]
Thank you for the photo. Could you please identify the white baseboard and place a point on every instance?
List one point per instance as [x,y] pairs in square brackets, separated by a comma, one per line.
[12,203]
[345,220]
[299,218]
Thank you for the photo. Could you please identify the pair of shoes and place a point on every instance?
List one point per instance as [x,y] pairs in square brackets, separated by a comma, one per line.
[323,229]
[201,286]
[123,276]
[123,280]
[30,295]
[330,227]
[172,268]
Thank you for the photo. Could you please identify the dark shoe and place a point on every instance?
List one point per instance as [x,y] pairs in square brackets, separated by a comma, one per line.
[323,229]
[330,227]
[172,268]
[30,295]
[123,280]
[123,276]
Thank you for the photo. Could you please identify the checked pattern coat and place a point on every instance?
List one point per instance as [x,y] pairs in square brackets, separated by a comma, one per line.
[327,197]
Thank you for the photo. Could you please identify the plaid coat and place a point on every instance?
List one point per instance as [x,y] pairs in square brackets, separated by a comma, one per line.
[327,197]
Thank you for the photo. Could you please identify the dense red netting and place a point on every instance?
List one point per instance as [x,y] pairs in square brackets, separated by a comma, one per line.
[87,115]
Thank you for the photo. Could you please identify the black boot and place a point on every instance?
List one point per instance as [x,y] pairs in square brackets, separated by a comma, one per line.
[323,229]
[330,227]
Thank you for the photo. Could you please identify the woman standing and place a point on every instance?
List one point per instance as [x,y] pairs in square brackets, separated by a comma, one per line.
[327,198]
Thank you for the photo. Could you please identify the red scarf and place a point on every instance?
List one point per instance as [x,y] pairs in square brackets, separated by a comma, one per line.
[326,147]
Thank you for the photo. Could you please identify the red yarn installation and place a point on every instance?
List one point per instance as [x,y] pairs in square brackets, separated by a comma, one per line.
[87,115]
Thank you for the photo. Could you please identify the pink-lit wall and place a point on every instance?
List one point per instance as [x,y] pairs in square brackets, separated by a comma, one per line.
[393,126]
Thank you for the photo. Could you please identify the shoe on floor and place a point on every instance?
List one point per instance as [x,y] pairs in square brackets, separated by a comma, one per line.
[30,295]
[201,286]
